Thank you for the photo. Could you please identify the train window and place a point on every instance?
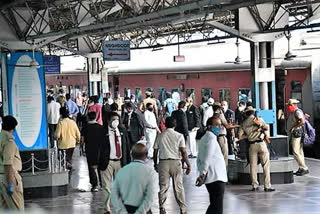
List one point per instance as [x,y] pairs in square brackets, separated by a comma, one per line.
[206,93]
[244,94]
[190,92]
[127,92]
[162,95]
[138,94]
[225,95]
[296,91]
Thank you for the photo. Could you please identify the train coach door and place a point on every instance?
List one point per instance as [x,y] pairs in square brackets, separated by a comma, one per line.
[281,100]
[116,85]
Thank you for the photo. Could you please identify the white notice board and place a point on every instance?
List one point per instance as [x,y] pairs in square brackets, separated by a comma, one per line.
[117,50]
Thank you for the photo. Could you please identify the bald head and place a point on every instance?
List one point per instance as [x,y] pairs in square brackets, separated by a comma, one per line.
[139,152]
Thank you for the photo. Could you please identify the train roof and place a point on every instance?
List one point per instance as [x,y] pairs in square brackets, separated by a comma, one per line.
[222,67]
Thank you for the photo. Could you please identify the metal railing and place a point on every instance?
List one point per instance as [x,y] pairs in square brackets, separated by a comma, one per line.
[57,162]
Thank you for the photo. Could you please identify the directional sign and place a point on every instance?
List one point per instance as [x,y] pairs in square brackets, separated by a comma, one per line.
[118,50]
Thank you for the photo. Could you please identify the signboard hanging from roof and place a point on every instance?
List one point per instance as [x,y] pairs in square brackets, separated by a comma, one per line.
[51,64]
[117,50]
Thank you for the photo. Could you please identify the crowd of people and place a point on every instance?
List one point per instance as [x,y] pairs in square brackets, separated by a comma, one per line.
[119,136]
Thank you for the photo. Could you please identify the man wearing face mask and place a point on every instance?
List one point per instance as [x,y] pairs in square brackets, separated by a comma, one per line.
[258,148]
[295,123]
[181,118]
[147,100]
[194,123]
[207,111]
[151,127]
[222,138]
[133,124]
[211,166]
[114,154]
[229,115]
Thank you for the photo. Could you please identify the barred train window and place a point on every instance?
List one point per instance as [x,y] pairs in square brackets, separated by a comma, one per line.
[205,94]
[225,95]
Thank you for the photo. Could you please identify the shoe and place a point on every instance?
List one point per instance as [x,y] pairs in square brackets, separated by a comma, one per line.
[298,171]
[269,189]
[194,156]
[162,211]
[108,212]
[94,189]
[255,189]
[190,156]
[302,172]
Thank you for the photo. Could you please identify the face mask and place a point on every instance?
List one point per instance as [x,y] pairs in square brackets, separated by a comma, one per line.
[150,109]
[291,108]
[115,124]
[130,112]
[133,100]
[216,130]
[241,108]
[224,108]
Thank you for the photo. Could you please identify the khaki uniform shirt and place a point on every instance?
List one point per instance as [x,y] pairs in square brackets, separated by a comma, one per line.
[294,118]
[250,129]
[9,153]
[223,121]
[150,100]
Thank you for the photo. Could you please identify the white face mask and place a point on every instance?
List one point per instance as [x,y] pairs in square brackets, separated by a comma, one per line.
[115,124]
[133,100]
[241,108]
[225,108]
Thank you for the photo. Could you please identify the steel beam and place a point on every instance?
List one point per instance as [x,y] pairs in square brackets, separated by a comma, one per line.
[161,16]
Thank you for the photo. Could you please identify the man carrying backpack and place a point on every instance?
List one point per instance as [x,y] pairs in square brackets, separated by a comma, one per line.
[295,130]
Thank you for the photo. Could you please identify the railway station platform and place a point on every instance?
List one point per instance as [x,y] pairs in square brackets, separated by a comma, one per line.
[303,196]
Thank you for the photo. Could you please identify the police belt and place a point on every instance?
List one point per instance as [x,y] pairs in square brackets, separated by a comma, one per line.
[256,141]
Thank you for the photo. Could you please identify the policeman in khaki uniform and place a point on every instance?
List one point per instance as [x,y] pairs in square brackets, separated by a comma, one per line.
[11,189]
[147,100]
[254,128]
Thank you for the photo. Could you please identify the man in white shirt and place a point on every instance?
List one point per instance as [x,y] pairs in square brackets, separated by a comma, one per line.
[211,166]
[134,188]
[207,111]
[151,128]
[53,116]
[171,147]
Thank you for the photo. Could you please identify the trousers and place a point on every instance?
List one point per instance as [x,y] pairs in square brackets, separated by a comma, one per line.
[171,169]
[261,150]
[107,176]
[216,194]
[52,129]
[151,135]
[132,210]
[192,143]
[16,201]
[297,151]
[223,142]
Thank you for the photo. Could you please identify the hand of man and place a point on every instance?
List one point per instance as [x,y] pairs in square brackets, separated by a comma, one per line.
[188,171]
[156,167]
[200,180]
[10,189]
[94,166]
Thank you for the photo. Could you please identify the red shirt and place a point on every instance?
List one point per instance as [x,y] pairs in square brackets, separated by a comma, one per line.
[97,109]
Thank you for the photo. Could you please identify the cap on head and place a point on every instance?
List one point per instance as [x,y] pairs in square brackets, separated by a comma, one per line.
[210,101]
[293,101]
[217,104]
[250,108]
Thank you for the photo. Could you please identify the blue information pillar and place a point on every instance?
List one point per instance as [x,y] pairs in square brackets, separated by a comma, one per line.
[263,83]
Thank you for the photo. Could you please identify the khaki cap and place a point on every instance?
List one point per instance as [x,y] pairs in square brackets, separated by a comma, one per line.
[293,101]
[249,108]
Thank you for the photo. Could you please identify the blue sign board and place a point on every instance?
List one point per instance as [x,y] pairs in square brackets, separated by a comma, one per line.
[51,64]
[116,50]
[27,101]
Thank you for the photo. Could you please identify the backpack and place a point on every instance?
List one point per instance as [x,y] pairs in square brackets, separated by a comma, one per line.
[309,133]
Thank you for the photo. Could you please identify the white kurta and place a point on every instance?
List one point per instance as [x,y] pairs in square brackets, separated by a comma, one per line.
[150,130]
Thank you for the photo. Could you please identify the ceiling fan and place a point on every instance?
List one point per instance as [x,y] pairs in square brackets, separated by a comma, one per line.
[33,64]
[237,60]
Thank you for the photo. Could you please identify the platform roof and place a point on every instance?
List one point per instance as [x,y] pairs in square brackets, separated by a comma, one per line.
[79,26]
